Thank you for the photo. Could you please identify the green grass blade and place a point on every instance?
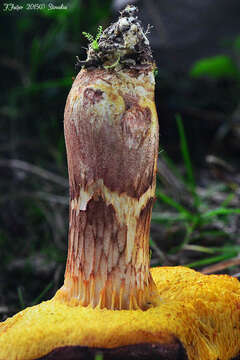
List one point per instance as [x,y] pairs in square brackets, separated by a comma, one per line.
[20,297]
[187,159]
[190,227]
[210,260]
[220,211]
[185,152]
[167,217]
[227,200]
[173,203]
[199,248]
[228,249]
[98,356]
[39,298]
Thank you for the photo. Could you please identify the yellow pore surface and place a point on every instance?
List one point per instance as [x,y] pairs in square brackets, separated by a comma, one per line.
[202,311]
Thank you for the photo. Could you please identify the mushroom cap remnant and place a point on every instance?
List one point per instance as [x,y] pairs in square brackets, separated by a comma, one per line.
[201,311]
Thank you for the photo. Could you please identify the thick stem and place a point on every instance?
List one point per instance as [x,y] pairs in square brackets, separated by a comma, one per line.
[111,133]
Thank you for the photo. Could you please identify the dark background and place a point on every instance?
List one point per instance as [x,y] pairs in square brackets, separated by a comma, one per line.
[196,45]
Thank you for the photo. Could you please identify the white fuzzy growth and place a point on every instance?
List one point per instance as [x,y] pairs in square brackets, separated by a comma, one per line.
[123,22]
[133,33]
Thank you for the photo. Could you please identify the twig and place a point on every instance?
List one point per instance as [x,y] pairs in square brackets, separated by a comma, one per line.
[51,197]
[156,19]
[198,248]
[221,266]
[25,166]
[176,187]
[236,275]
[4,309]
[158,252]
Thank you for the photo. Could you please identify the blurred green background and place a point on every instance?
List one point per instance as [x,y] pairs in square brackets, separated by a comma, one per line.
[196,219]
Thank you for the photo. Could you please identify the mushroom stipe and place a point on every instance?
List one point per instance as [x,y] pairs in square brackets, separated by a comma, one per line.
[111,301]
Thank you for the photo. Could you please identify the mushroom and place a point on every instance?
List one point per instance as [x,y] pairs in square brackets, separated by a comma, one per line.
[111,301]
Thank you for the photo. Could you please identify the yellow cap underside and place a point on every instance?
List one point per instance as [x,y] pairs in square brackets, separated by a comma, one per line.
[202,311]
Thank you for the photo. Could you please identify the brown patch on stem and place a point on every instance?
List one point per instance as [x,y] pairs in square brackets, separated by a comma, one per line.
[92,96]
[105,142]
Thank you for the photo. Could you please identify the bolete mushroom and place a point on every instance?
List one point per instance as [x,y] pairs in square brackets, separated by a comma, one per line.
[111,301]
